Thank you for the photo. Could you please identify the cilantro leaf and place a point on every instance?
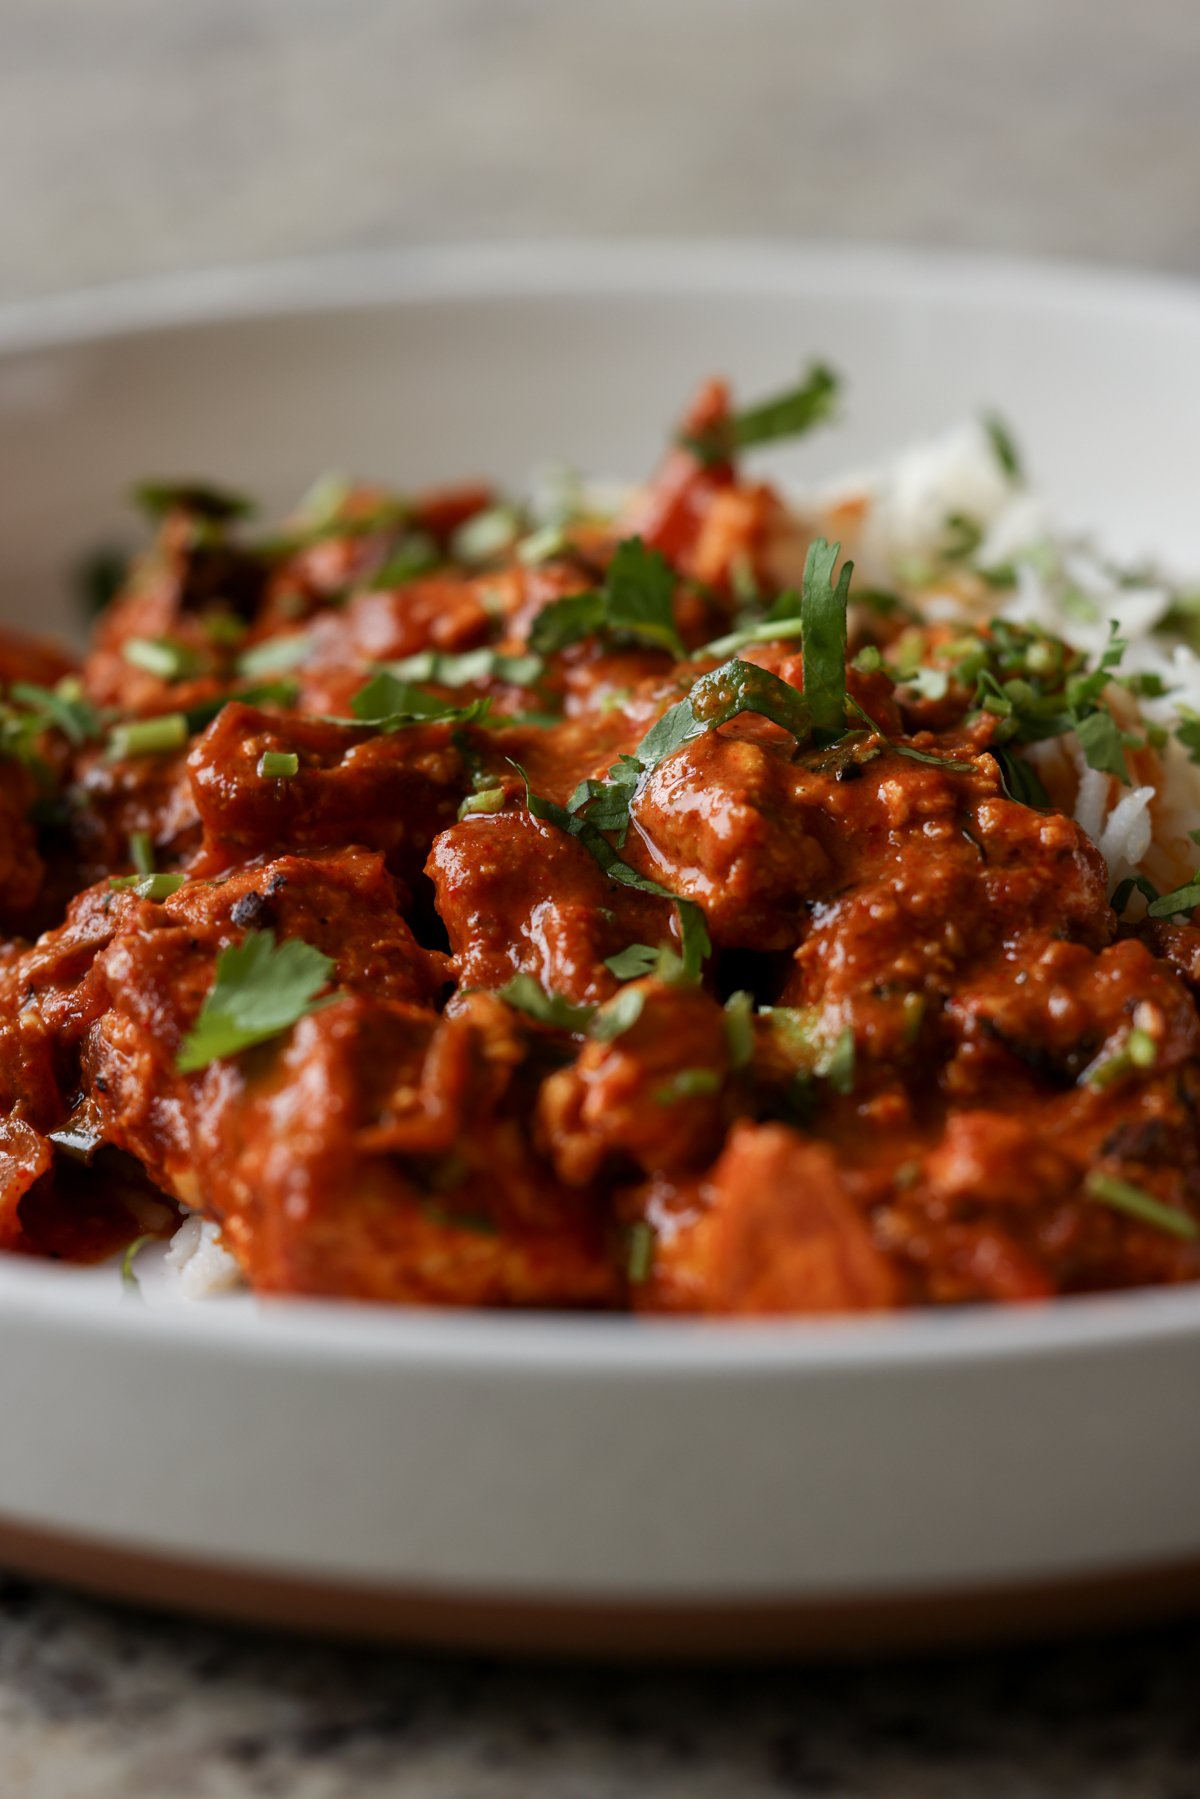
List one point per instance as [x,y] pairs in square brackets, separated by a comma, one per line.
[1003,445]
[789,414]
[568,620]
[629,964]
[1183,899]
[713,700]
[694,941]
[618,1015]
[259,990]
[63,707]
[1100,740]
[1019,780]
[1187,730]
[1123,893]
[823,622]
[525,994]
[218,506]
[390,705]
[637,600]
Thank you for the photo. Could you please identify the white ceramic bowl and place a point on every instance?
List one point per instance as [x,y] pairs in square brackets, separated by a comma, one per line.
[561,1481]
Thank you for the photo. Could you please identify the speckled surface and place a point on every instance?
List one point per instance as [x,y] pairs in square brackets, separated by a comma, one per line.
[97,1704]
[139,138]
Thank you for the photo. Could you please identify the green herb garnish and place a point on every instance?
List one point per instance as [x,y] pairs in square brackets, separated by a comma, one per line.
[739,1028]
[789,414]
[148,736]
[63,708]
[388,704]
[141,852]
[151,887]
[1183,899]
[259,990]
[1135,1202]
[639,1256]
[525,994]
[687,1083]
[823,626]
[618,1015]
[1003,445]
[446,670]
[637,601]
[274,656]
[278,765]
[161,656]
[210,503]
[129,1279]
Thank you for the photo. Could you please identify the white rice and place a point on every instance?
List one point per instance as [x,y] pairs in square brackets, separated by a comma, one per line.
[1064,586]
[198,1262]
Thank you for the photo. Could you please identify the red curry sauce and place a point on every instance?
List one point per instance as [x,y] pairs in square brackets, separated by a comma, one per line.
[786,1019]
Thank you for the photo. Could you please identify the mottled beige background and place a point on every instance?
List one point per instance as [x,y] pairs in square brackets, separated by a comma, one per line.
[147,135]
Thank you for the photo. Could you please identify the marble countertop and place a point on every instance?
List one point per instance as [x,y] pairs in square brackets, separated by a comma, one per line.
[138,138]
[101,1704]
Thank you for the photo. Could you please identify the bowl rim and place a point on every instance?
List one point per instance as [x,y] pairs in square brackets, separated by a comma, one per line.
[563,1344]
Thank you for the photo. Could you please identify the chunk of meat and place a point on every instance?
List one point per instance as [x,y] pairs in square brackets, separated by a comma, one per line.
[517,895]
[775,1230]
[391,792]
[648,1097]
[733,825]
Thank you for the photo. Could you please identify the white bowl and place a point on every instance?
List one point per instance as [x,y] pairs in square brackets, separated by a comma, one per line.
[570,1482]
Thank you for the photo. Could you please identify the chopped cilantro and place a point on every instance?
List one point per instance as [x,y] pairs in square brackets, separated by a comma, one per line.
[129,1279]
[687,1083]
[148,736]
[638,959]
[1001,440]
[259,990]
[484,799]
[213,504]
[161,656]
[739,1028]
[1135,1202]
[525,994]
[415,555]
[639,1258]
[100,578]
[637,601]
[486,535]
[458,670]
[1100,740]
[278,765]
[789,414]
[63,708]
[1123,893]
[693,933]
[390,705]
[823,621]
[1183,899]
[618,1015]
[150,886]
[274,656]
[141,852]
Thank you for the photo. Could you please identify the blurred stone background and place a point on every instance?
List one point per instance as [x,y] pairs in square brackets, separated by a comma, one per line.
[138,136]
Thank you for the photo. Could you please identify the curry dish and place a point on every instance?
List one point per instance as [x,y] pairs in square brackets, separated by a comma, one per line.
[631,910]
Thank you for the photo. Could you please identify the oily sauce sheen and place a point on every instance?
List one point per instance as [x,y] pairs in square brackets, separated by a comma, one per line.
[890,1075]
